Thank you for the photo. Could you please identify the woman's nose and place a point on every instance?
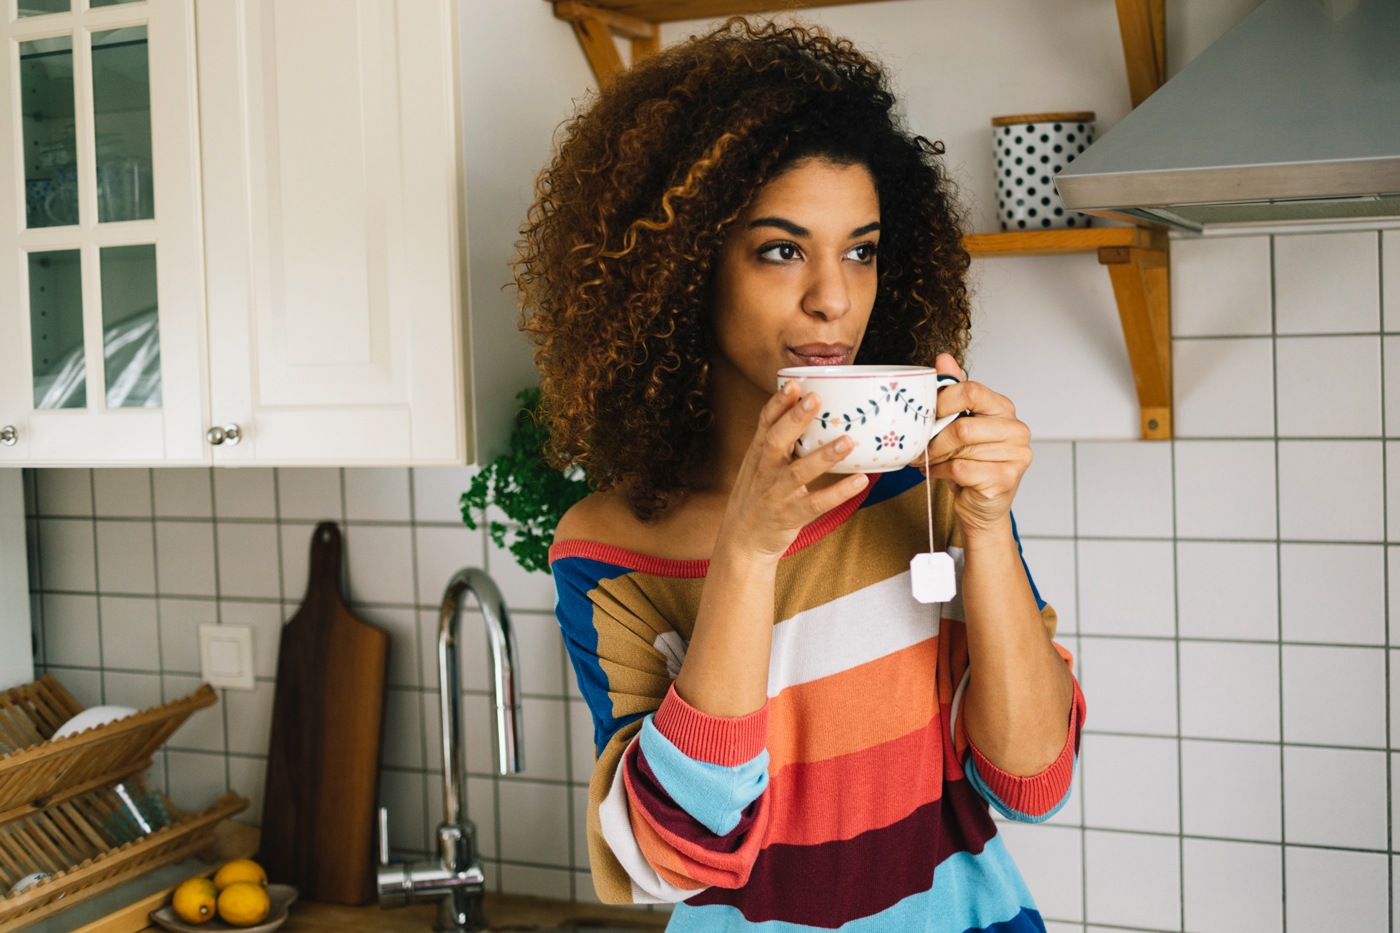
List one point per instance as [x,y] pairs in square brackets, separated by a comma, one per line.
[828,294]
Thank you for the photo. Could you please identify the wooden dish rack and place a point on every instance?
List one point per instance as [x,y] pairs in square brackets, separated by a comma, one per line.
[58,803]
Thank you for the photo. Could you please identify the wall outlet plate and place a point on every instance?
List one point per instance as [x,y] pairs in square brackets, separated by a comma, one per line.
[226,656]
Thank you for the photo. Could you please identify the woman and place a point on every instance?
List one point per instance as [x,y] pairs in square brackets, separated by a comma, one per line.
[783,733]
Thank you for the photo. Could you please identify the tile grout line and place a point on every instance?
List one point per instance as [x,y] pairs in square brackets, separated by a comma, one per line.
[1278,586]
[160,629]
[426,820]
[1078,628]
[1385,593]
[1176,650]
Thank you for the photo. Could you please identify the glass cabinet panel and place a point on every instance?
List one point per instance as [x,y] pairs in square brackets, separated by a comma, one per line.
[56,329]
[41,7]
[49,132]
[130,327]
[121,103]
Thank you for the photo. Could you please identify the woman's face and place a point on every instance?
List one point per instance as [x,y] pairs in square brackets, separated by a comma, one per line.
[796,279]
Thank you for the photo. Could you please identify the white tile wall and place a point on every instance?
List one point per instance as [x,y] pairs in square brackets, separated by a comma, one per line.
[1329,386]
[1230,597]
[1327,283]
[1224,387]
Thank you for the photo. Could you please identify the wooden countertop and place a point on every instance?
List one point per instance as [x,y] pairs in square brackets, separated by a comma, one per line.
[506,913]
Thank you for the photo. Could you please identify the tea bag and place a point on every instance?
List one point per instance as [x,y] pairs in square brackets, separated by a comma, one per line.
[933,575]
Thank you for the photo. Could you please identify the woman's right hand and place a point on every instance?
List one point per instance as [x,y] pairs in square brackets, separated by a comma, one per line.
[773,499]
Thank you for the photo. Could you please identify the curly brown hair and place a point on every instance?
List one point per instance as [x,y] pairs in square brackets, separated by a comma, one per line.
[615,265]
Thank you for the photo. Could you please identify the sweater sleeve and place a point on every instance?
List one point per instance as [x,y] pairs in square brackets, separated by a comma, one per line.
[677,800]
[1031,798]
[1037,797]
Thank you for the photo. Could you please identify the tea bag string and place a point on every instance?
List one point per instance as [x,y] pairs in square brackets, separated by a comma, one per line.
[928,499]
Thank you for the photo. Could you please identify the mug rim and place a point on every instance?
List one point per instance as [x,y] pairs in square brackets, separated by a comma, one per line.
[854,371]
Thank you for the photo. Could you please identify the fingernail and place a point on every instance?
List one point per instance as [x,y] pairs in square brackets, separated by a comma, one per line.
[809,403]
[844,444]
[859,480]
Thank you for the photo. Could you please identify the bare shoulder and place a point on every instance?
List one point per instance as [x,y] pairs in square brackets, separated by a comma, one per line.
[685,531]
[601,517]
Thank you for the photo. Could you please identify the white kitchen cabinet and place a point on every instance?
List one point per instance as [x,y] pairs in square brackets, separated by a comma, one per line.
[303,259]
[334,240]
[101,301]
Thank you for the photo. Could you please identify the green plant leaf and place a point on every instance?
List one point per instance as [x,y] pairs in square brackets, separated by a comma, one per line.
[532,494]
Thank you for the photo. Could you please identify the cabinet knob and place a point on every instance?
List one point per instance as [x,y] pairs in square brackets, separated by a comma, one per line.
[229,433]
[8,435]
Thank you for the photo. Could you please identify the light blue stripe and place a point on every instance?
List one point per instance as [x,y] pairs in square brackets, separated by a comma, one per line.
[970,892]
[974,777]
[715,795]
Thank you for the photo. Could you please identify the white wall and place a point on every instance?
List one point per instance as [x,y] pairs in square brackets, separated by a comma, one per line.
[16,663]
[521,71]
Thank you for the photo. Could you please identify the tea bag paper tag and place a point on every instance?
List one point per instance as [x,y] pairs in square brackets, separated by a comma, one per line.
[934,577]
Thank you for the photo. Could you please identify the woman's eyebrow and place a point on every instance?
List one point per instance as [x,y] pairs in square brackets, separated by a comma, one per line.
[786,226]
[797,230]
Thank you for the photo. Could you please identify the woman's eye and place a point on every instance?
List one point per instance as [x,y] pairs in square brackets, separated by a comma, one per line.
[864,253]
[780,252]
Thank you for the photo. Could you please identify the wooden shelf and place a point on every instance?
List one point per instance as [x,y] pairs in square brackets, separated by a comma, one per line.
[1045,242]
[1137,263]
[1136,257]
[670,11]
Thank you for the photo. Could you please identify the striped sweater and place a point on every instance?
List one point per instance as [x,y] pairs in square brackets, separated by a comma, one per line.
[853,800]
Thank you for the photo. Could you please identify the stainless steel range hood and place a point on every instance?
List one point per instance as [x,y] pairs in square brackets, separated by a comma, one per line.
[1292,117]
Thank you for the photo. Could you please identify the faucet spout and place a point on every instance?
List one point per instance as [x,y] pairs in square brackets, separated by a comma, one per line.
[505,679]
[456,875]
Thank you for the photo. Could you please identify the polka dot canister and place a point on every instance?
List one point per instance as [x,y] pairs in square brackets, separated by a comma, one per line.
[1030,150]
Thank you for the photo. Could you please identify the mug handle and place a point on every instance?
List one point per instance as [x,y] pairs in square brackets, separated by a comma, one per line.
[946,380]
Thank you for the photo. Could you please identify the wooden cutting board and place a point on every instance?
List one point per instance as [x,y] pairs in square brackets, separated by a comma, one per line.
[320,799]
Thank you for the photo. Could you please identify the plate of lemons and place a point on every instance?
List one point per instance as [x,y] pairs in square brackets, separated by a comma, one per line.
[238,897]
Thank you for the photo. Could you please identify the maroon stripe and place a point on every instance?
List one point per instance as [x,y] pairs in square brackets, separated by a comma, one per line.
[652,797]
[836,882]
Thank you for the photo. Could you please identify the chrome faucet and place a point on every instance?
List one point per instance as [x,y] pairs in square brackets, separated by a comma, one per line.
[456,875]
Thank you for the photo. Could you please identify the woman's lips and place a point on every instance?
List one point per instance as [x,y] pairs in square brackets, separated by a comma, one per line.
[821,354]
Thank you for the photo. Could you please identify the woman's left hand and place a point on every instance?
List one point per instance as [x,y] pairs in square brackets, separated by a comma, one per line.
[984,457]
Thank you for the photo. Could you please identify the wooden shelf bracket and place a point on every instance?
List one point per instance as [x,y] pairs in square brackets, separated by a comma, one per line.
[1141,285]
[595,28]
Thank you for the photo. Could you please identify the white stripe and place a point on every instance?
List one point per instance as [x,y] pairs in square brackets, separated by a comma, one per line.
[616,819]
[857,628]
[957,703]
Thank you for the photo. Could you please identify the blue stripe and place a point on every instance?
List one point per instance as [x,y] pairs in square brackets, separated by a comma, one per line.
[970,893]
[1039,603]
[974,777]
[892,484]
[715,795]
[574,579]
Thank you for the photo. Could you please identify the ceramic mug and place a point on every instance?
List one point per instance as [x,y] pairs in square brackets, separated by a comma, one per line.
[889,411]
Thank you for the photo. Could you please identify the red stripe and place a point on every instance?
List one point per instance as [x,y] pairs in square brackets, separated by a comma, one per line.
[728,741]
[840,798]
[837,882]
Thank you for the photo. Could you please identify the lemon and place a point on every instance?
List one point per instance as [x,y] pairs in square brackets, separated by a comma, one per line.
[194,900]
[244,903]
[240,869]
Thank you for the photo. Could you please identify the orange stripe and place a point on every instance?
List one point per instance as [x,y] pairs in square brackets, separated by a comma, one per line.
[660,856]
[842,797]
[854,709]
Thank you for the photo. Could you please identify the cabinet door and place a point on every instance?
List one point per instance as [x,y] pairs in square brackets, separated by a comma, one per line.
[333,228]
[100,291]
